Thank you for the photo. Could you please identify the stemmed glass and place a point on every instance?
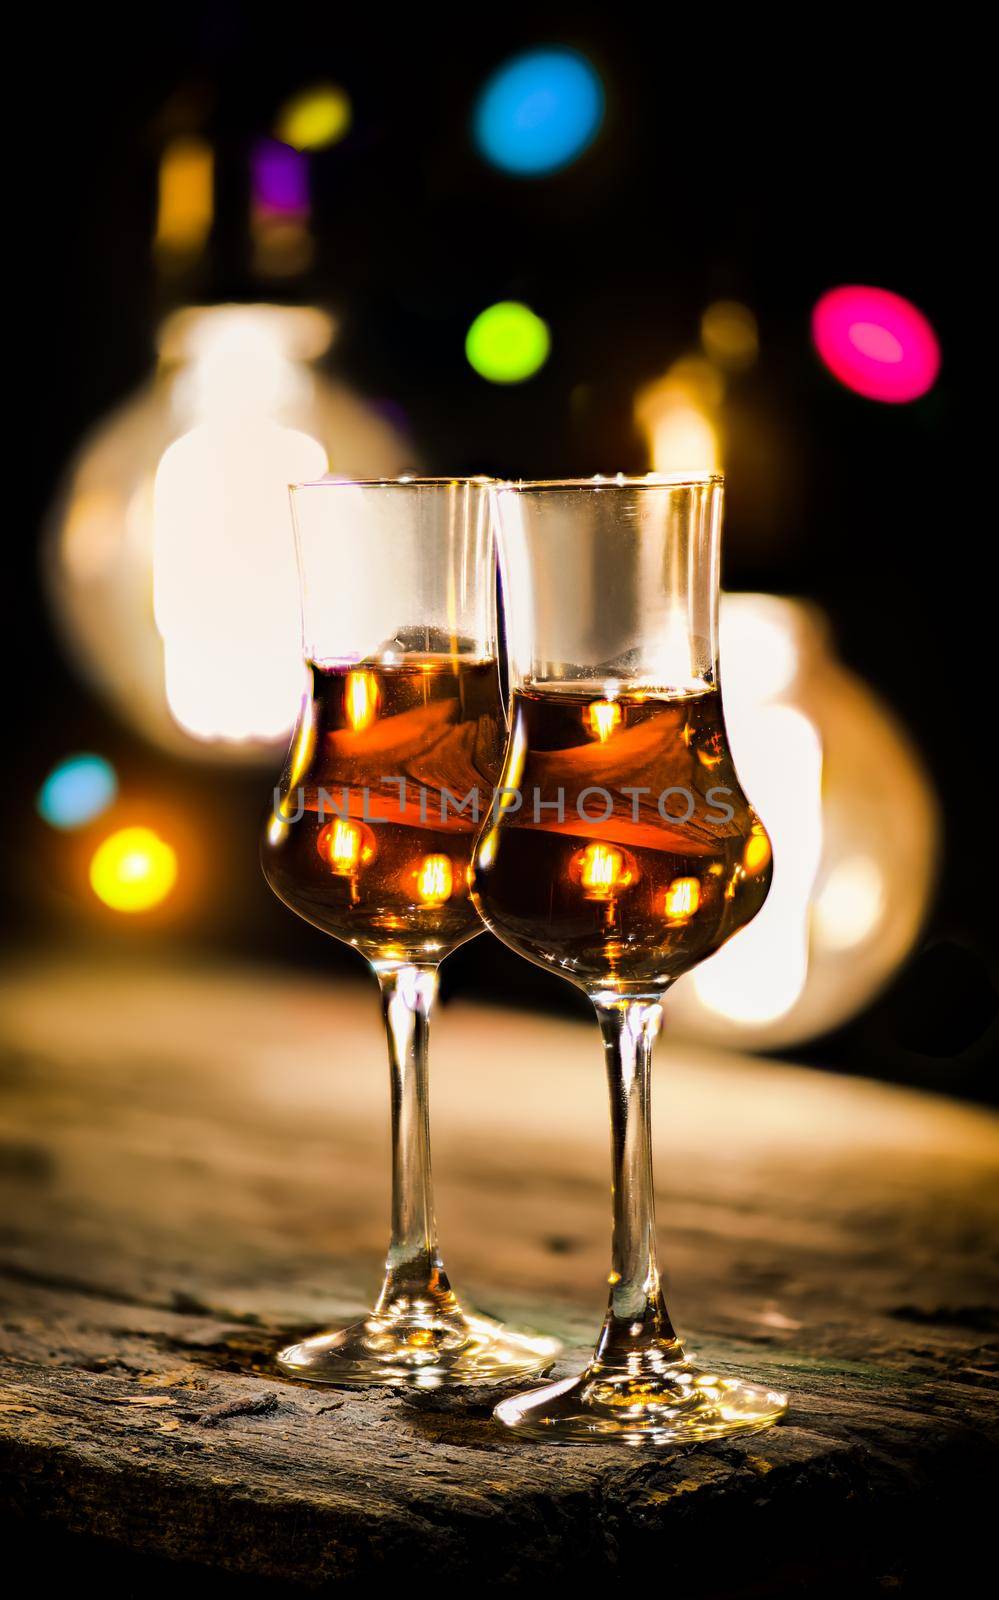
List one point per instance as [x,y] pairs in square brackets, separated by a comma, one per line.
[621,851]
[370,839]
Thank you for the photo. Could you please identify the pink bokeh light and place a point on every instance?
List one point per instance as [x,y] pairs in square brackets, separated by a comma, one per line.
[876,343]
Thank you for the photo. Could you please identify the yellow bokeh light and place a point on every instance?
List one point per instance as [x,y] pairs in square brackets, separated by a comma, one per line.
[602,717]
[186,197]
[682,899]
[677,415]
[729,335]
[435,880]
[698,380]
[361,697]
[315,118]
[133,870]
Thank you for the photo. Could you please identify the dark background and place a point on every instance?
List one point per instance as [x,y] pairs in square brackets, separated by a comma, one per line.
[726,168]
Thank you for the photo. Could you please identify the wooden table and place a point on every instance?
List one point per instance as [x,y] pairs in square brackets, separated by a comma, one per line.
[194,1166]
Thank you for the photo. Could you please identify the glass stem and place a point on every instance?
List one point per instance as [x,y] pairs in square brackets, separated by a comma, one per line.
[414,1270]
[637,1334]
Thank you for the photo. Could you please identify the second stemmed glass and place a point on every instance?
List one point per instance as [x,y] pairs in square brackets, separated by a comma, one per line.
[621,852]
[370,839]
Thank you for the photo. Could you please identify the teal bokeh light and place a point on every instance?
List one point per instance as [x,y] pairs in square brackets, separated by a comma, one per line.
[539,111]
[76,791]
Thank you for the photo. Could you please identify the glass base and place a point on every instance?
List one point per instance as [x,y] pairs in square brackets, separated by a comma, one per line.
[420,1350]
[680,1405]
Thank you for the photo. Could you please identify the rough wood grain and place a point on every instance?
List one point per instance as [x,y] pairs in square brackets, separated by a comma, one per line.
[193,1166]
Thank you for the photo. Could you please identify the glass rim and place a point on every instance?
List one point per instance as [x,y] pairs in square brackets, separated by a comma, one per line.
[407,481]
[618,480]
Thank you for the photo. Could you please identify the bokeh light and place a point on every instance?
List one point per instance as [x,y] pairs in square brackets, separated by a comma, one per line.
[315,118]
[235,409]
[507,342]
[225,589]
[133,870]
[850,905]
[279,178]
[729,335]
[76,791]
[876,343]
[186,198]
[539,111]
[280,207]
[678,414]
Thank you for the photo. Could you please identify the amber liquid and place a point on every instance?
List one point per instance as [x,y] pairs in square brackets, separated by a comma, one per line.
[630,902]
[382,869]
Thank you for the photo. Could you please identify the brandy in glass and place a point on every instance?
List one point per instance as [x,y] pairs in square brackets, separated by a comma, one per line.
[370,837]
[621,852]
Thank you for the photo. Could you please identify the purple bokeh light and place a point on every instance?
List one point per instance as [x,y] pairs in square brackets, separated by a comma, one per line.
[279,179]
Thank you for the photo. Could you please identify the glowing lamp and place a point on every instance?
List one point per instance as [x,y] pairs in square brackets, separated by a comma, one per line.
[602,871]
[682,899]
[602,717]
[854,827]
[539,112]
[507,343]
[434,880]
[133,870]
[182,495]
[76,791]
[345,845]
[361,696]
[315,118]
[876,343]
[842,794]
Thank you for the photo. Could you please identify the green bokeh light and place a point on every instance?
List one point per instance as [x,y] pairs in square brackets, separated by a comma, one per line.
[507,342]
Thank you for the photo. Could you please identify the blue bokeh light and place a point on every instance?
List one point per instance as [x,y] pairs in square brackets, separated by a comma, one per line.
[539,111]
[76,791]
